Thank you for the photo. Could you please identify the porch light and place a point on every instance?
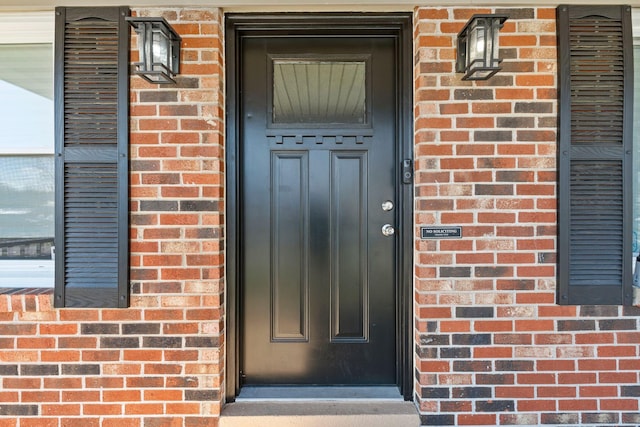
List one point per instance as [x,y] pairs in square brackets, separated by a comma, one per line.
[159,49]
[478,47]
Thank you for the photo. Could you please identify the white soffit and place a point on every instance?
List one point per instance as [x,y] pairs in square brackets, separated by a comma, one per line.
[292,5]
[26,27]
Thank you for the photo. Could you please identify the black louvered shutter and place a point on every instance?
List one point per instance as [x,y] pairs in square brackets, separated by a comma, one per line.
[595,49]
[91,93]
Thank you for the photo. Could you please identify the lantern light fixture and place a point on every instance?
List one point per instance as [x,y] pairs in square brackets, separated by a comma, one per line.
[478,47]
[159,49]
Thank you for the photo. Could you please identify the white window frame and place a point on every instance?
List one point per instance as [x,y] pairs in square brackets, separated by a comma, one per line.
[27,28]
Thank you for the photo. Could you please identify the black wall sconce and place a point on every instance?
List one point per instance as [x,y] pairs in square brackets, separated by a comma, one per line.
[159,49]
[478,47]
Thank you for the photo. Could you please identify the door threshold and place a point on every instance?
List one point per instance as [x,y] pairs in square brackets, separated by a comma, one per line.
[301,413]
[331,393]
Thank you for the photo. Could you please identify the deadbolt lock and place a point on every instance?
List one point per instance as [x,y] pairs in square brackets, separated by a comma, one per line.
[387,205]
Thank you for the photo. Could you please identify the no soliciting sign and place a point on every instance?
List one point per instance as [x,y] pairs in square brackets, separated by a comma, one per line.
[441,232]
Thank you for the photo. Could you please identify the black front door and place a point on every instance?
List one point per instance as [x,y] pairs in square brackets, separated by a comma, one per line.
[318,210]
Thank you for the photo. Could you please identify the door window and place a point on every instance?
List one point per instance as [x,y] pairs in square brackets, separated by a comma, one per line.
[319,92]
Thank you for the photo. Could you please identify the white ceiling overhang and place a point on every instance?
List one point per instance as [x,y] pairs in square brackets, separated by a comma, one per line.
[292,5]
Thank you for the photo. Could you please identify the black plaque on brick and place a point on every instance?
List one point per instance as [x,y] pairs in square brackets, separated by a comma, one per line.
[440,232]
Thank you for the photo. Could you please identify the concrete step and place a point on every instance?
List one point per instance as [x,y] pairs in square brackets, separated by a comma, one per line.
[348,413]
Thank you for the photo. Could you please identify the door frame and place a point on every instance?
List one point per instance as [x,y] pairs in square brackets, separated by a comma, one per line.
[396,25]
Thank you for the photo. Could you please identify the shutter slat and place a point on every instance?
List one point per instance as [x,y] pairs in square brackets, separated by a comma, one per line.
[594,225]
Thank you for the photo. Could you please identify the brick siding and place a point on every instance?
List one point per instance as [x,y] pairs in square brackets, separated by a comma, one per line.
[492,346]
[160,362]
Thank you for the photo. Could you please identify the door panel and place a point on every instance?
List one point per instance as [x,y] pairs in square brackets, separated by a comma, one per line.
[349,281]
[290,229]
[317,156]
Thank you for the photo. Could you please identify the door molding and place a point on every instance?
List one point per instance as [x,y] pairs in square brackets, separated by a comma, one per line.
[397,25]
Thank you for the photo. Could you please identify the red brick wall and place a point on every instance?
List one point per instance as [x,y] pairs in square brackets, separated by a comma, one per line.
[160,362]
[492,346]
